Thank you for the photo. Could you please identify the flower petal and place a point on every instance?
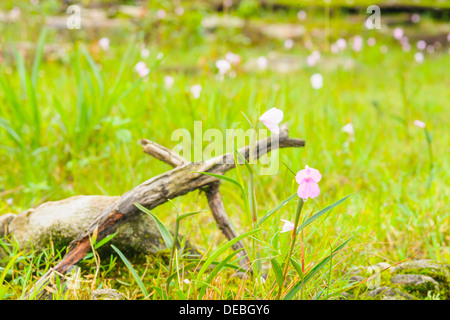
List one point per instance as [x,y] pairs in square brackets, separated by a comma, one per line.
[308,189]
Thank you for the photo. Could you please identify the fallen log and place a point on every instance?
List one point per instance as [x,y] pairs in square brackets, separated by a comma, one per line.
[184,178]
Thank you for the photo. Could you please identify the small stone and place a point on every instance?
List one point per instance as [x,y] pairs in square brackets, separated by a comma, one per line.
[106,294]
[386,293]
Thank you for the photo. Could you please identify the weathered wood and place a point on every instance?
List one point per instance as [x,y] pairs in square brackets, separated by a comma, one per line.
[159,189]
[212,194]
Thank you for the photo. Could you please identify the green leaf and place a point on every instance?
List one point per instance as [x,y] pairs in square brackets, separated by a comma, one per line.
[297,267]
[132,271]
[320,213]
[282,204]
[38,57]
[167,237]
[278,272]
[216,270]
[291,294]
[185,215]
[99,244]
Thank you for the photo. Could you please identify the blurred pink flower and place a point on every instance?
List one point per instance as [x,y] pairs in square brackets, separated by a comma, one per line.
[288,44]
[419,123]
[308,180]
[104,43]
[341,43]
[398,33]
[415,18]
[271,119]
[313,58]
[232,58]
[301,15]
[421,45]
[357,43]
[288,226]
[371,42]
[179,11]
[141,69]
[161,14]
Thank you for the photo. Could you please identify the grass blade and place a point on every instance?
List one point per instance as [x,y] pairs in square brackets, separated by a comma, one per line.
[132,271]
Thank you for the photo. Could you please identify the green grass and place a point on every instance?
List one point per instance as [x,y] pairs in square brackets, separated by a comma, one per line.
[64,122]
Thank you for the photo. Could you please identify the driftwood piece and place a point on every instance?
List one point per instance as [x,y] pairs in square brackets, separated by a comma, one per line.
[179,181]
[212,194]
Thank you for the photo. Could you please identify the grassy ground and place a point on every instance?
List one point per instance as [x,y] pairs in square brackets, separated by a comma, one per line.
[63,122]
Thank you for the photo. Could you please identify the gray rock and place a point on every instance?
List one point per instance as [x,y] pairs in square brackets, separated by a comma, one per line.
[62,221]
[416,282]
[5,221]
[107,294]
[386,293]
[417,266]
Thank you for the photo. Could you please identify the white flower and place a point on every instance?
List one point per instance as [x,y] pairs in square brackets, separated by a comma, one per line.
[419,57]
[168,82]
[262,63]
[104,43]
[196,91]
[349,129]
[223,65]
[145,53]
[317,81]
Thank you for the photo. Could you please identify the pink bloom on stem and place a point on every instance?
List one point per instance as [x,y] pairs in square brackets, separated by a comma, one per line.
[271,119]
[141,69]
[415,18]
[308,180]
[419,123]
[288,226]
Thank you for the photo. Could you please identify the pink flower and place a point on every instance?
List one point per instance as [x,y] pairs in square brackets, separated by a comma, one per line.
[104,43]
[357,43]
[271,119]
[288,44]
[415,18]
[398,33]
[371,41]
[341,43]
[301,15]
[421,45]
[308,180]
[232,58]
[141,69]
[419,123]
[288,226]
